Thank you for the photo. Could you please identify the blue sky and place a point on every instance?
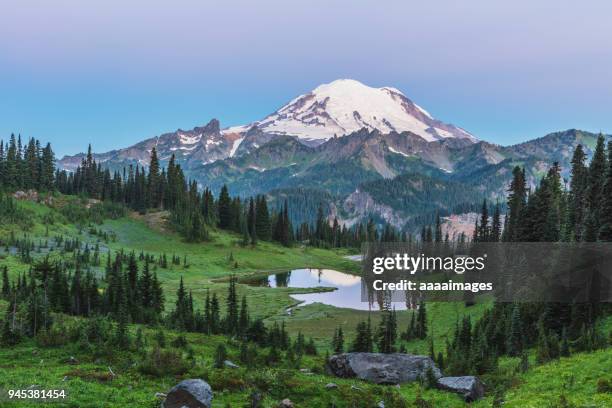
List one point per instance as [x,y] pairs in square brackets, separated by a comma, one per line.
[74,72]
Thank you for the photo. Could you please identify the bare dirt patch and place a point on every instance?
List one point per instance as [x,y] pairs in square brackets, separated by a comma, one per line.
[157,220]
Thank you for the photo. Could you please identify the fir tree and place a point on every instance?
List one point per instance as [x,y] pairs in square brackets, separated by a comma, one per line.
[421,323]
[595,183]
[516,202]
[363,338]
[496,227]
[224,206]
[387,331]
[243,320]
[338,341]
[515,336]
[577,199]
[220,356]
[251,221]
[262,219]
[605,231]
[6,284]
[215,319]
[231,318]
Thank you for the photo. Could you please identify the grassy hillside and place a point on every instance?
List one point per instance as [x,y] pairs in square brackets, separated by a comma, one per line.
[101,373]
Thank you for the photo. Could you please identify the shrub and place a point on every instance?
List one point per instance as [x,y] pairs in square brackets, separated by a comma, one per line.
[56,335]
[106,209]
[430,379]
[421,402]
[275,382]
[227,380]
[164,362]
[220,356]
[604,385]
[180,341]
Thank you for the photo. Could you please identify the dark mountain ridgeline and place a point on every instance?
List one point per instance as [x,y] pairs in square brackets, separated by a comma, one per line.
[264,162]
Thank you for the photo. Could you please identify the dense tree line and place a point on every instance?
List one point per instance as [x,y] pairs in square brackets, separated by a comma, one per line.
[24,167]
[193,212]
[548,214]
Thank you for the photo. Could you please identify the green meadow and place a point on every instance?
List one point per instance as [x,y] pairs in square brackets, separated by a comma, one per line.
[99,380]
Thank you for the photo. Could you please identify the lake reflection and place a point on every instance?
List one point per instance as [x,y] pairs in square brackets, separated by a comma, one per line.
[346,295]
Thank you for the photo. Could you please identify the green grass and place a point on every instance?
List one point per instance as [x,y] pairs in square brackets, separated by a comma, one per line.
[574,378]
[319,322]
[88,383]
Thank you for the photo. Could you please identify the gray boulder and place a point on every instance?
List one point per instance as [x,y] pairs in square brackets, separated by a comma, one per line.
[286,403]
[379,368]
[194,393]
[470,387]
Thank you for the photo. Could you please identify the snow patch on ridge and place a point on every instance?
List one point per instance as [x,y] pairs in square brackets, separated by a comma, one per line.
[235,146]
[189,140]
[392,150]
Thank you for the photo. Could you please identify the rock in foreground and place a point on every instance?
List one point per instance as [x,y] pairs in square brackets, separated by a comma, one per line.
[191,394]
[470,387]
[382,368]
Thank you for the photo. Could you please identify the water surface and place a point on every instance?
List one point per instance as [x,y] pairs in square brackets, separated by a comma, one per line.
[347,293]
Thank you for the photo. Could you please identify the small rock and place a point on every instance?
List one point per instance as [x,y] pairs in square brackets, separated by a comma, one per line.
[470,387]
[331,386]
[286,403]
[229,364]
[160,395]
[381,404]
[194,393]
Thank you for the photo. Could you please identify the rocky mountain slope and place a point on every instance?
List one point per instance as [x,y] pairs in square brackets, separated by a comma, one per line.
[331,110]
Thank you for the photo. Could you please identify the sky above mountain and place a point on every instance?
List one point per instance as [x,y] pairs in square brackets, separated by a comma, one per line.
[114,73]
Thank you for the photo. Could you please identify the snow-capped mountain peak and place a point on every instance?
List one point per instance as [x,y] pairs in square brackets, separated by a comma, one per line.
[346,105]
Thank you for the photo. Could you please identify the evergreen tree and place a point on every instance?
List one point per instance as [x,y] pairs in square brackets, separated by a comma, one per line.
[496,227]
[483,231]
[262,219]
[605,230]
[232,314]
[121,334]
[154,184]
[6,284]
[387,331]
[594,190]
[421,323]
[516,202]
[338,341]
[251,221]
[225,211]
[220,356]
[243,320]
[214,323]
[363,338]
[577,199]
[438,233]
[515,336]
[565,348]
